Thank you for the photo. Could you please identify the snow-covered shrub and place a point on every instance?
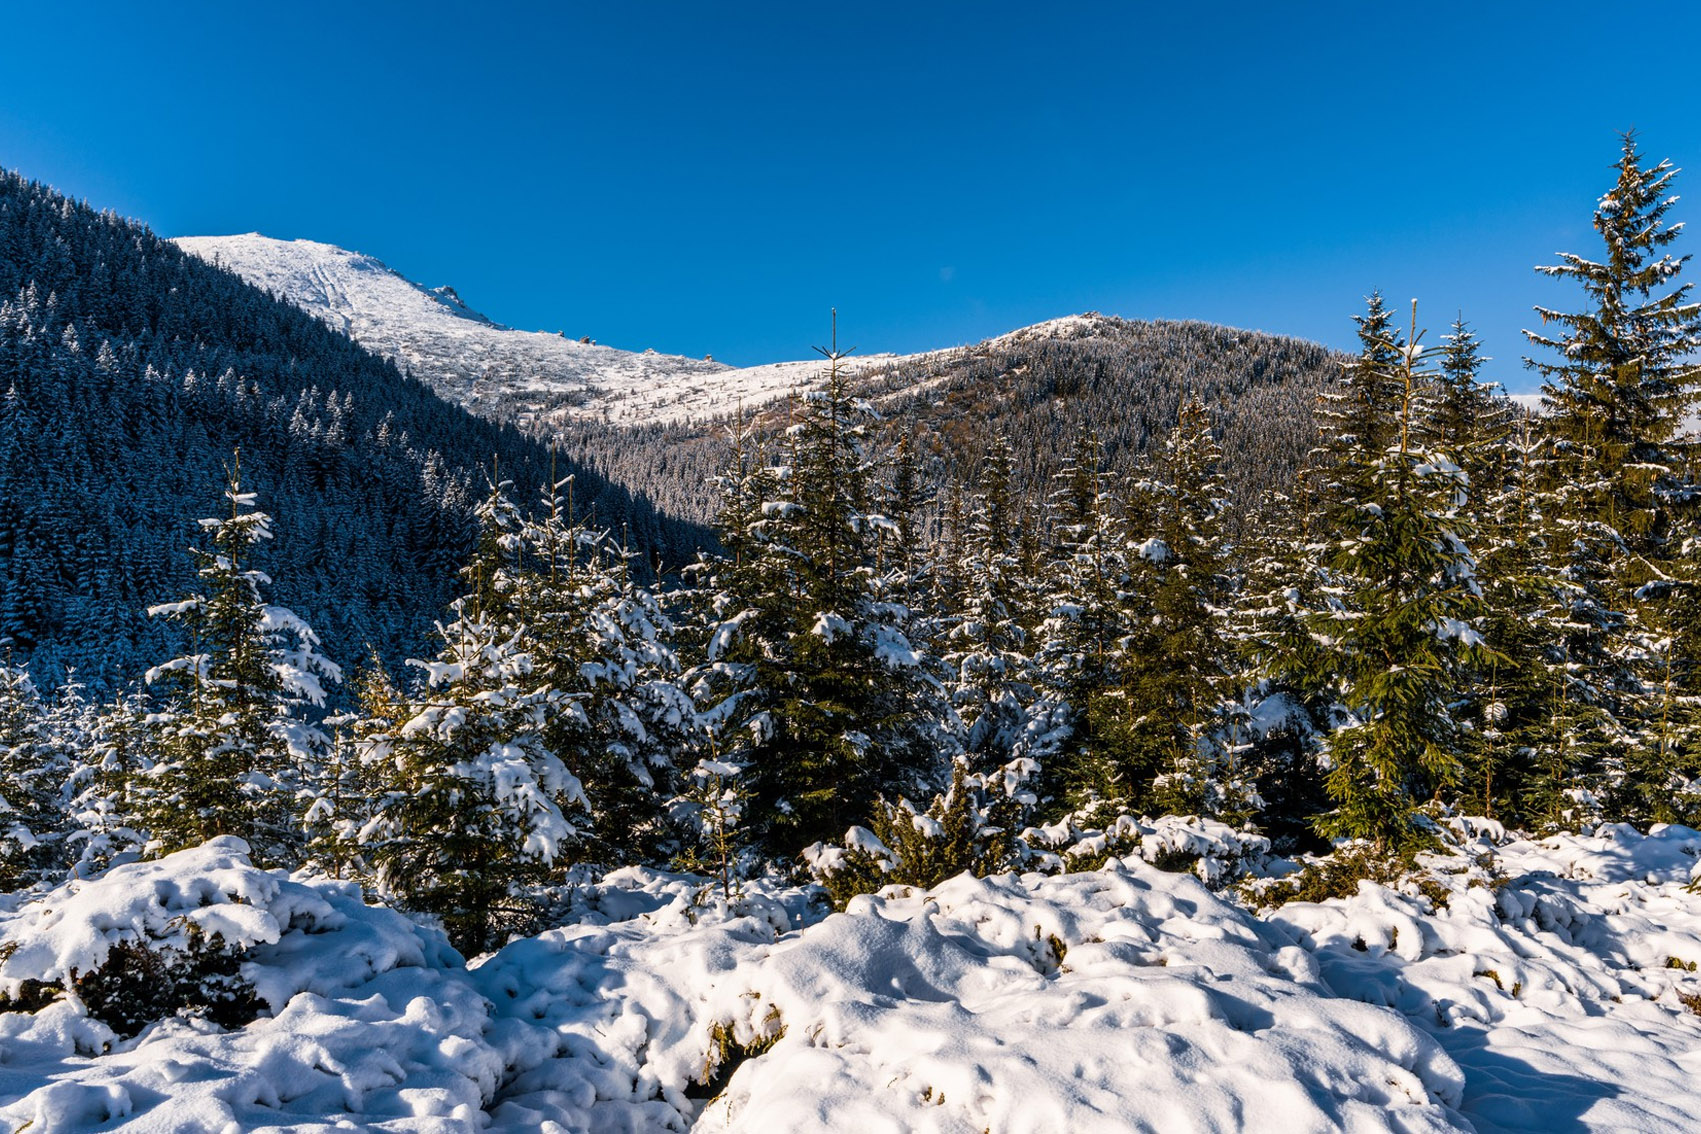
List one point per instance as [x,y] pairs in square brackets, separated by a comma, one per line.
[970,828]
[1217,853]
[143,942]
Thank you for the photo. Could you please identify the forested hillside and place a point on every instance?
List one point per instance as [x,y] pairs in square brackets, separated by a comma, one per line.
[1041,387]
[131,373]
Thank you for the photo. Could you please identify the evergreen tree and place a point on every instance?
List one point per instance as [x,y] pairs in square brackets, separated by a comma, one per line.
[1615,394]
[1513,767]
[987,661]
[601,643]
[33,762]
[1081,624]
[809,683]
[231,749]
[1399,617]
[472,809]
[1169,728]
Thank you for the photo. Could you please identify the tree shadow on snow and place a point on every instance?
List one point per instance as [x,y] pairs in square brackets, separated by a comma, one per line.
[1503,1094]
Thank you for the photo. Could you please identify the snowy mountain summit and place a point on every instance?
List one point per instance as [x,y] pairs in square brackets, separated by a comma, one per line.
[532,378]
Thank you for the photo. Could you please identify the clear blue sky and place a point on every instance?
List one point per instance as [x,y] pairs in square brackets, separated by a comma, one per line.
[701,177]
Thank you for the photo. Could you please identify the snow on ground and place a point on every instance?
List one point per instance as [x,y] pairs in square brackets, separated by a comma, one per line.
[532,377]
[1530,986]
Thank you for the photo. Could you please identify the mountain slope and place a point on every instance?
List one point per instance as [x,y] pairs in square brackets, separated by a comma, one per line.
[535,379]
[131,372]
[1042,387]
[656,423]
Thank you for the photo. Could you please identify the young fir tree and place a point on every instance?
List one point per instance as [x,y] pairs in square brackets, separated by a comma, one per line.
[114,742]
[34,759]
[809,683]
[1286,702]
[472,809]
[1077,636]
[1615,392]
[1513,767]
[602,644]
[1399,621]
[1170,739]
[231,750]
[987,660]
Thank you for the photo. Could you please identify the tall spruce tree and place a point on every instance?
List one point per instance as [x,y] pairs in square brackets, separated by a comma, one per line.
[231,748]
[1616,386]
[987,659]
[809,684]
[1398,621]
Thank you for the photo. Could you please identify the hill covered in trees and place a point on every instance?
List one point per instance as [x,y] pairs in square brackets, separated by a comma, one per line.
[1040,386]
[132,372]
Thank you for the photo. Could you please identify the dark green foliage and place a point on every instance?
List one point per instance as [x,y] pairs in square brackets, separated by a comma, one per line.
[229,750]
[139,984]
[471,809]
[968,828]
[809,683]
[1618,483]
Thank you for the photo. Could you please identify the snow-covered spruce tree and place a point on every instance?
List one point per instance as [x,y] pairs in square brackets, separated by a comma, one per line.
[602,644]
[987,660]
[34,761]
[113,749]
[1166,729]
[1295,702]
[1286,702]
[809,683]
[472,808]
[230,747]
[1514,758]
[1079,628]
[1465,416]
[1616,387]
[1399,621]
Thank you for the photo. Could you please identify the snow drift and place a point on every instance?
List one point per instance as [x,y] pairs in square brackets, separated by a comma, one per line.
[1525,986]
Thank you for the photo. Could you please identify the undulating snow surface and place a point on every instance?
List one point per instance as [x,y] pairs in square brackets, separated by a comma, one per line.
[531,377]
[1535,988]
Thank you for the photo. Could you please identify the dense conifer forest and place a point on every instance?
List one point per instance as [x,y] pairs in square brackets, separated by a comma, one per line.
[130,373]
[1043,385]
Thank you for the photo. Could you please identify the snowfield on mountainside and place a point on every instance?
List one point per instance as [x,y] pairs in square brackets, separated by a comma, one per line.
[1526,985]
[533,378]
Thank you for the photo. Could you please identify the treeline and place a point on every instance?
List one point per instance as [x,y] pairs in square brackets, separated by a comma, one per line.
[1455,606]
[129,371]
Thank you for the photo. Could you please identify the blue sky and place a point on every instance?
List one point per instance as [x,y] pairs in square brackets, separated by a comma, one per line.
[706,178]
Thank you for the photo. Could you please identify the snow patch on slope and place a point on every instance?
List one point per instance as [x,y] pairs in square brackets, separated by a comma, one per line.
[534,378]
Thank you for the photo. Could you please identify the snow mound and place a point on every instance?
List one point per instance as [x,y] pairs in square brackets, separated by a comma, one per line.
[1544,986]
[1127,998]
[1559,974]
[370,1014]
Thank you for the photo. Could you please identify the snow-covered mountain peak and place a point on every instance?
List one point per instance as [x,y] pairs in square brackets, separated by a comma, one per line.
[538,380]
[533,378]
